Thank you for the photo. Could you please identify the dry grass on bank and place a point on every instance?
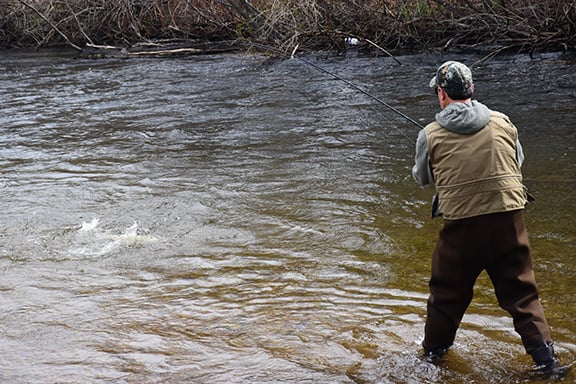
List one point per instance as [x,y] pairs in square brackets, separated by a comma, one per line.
[311,24]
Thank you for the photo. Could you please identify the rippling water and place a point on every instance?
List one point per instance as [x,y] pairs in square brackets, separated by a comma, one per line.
[235,219]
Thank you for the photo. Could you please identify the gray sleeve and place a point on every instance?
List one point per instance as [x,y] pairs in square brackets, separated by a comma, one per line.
[421,170]
[519,153]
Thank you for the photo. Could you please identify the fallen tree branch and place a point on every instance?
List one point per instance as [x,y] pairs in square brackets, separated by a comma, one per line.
[383,50]
[98,46]
[165,52]
[75,15]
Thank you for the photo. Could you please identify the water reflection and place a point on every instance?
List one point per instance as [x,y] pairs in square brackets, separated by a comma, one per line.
[226,219]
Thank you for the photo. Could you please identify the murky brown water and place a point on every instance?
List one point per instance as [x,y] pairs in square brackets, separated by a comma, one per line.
[225,219]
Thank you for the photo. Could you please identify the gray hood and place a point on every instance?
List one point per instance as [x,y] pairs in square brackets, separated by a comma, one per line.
[464,118]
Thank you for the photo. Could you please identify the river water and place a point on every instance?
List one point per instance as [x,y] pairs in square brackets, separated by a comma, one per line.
[236,219]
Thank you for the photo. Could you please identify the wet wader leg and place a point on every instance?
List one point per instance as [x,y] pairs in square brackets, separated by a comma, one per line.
[451,288]
[515,285]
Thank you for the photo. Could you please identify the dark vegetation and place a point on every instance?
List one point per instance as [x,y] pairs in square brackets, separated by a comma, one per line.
[194,26]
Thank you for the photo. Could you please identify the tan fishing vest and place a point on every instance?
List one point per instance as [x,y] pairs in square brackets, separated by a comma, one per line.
[476,174]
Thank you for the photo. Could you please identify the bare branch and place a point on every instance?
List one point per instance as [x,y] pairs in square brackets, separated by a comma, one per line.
[54,27]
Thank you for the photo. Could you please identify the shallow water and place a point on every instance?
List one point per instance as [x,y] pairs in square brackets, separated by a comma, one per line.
[234,219]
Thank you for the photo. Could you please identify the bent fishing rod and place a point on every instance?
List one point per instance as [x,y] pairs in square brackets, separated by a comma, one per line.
[347,82]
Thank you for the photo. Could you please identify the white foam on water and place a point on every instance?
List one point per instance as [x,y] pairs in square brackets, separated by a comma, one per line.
[89,226]
[93,241]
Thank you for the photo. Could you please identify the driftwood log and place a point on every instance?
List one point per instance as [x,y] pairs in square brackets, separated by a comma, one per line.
[162,49]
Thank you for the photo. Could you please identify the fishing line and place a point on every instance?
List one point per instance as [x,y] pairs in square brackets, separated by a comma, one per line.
[373,108]
[347,82]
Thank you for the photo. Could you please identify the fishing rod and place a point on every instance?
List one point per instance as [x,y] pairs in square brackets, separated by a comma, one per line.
[346,81]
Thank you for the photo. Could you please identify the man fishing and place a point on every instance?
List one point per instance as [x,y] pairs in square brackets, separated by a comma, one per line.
[472,156]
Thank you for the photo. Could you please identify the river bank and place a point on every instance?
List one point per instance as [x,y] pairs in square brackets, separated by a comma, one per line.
[373,26]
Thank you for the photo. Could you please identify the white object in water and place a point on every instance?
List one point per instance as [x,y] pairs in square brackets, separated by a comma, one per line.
[352,41]
[131,231]
[91,225]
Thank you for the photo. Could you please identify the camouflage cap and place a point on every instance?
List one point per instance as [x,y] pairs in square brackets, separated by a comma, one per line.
[454,77]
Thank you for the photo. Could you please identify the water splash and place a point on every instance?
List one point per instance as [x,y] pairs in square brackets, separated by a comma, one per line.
[92,241]
[89,226]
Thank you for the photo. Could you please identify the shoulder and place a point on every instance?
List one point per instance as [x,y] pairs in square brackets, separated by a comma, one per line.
[502,123]
[500,117]
[432,127]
